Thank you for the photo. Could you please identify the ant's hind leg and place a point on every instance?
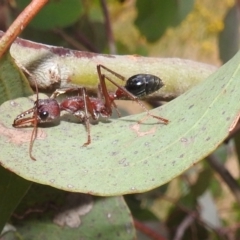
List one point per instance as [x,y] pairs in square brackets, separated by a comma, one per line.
[99,67]
[163,120]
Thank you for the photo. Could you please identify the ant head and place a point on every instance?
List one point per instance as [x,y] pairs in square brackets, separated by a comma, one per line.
[47,110]
[44,110]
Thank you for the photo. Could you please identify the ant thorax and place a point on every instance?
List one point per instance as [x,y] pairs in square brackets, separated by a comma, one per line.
[99,109]
[80,115]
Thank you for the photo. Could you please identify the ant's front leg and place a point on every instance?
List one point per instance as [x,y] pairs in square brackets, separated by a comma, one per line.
[87,111]
[80,106]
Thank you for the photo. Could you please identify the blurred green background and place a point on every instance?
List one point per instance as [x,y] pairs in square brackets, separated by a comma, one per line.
[201,30]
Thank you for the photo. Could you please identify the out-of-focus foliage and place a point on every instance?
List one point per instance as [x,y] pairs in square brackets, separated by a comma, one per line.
[196,33]
[229,37]
[185,29]
[56,14]
[155,17]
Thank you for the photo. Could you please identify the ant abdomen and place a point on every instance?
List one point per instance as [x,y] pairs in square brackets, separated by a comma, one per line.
[141,85]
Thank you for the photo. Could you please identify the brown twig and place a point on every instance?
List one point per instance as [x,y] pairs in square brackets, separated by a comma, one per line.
[108,27]
[147,231]
[230,231]
[30,211]
[20,23]
[225,175]
[233,132]
[85,42]
[70,40]
[193,213]
[187,221]
[238,4]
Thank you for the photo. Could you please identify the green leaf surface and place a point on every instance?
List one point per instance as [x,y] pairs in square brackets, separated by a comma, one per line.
[12,189]
[108,217]
[202,183]
[156,16]
[125,157]
[95,32]
[13,83]
[55,14]
[229,37]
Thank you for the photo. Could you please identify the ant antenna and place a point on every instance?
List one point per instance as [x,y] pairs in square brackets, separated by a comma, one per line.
[35,129]
[34,132]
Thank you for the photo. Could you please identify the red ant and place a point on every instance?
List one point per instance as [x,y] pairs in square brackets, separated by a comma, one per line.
[83,107]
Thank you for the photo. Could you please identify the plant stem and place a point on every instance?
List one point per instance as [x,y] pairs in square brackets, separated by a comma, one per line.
[20,23]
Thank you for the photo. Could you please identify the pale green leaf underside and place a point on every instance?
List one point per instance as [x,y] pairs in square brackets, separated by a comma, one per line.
[119,160]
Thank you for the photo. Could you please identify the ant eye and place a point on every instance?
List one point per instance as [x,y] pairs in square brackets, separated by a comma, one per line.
[43,115]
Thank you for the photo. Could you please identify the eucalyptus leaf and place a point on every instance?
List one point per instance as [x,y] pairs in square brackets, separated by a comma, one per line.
[12,190]
[13,83]
[55,14]
[124,156]
[156,16]
[228,40]
[108,217]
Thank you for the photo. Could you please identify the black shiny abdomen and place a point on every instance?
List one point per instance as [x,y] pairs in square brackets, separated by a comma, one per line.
[141,85]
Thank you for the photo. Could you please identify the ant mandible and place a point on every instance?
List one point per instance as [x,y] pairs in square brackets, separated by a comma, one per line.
[83,107]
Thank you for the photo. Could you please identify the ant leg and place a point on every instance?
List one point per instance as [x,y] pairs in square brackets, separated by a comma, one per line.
[86,117]
[111,71]
[33,136]
[100,96]
[88,109]
[99,92]
[103,92]
[35,128]
[111,97]
[134,98]
[109,102]
[116,108]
